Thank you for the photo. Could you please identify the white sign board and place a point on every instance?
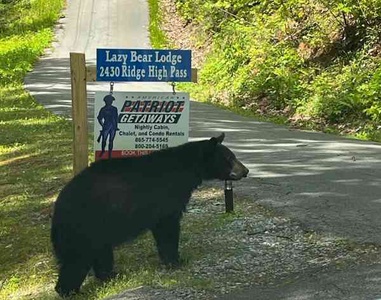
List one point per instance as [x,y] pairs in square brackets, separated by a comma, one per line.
[137,123]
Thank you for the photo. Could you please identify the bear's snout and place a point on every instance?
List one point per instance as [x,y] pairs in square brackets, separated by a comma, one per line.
[238,171]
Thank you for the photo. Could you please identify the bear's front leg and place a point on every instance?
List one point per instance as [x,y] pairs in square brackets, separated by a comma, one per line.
[103,264]
[71,276]
[166,234]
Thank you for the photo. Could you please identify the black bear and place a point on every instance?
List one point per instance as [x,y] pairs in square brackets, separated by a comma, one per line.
[113,201]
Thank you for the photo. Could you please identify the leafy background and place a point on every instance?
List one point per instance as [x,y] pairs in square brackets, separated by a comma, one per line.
[313,63]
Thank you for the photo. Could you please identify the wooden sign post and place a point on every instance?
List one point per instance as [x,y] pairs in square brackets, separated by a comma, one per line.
[79,111]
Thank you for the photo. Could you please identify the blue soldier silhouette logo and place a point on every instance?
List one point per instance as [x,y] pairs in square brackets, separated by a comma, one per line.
[108,119]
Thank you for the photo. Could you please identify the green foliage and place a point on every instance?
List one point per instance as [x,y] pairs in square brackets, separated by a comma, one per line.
[343,93]
[20,16]
[19,52]
[252,73]
[34,150]
[157,37]
[25,31]
[308,58]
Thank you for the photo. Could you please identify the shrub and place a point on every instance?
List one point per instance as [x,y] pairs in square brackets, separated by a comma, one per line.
[318,58]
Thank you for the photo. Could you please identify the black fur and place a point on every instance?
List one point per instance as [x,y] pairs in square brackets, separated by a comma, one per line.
[113,201]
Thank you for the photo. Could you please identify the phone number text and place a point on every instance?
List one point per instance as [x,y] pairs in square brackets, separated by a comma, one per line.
[151,139]
[151,146]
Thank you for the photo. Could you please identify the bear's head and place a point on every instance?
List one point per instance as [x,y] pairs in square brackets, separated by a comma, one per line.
[220,162]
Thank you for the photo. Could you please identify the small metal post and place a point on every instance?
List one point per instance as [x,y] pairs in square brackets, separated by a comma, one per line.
[111,87]
[229,205]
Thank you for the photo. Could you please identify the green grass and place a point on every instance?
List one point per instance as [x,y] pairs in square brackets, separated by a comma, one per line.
[34,151]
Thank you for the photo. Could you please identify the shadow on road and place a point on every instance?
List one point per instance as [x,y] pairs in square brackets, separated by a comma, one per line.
[49,82]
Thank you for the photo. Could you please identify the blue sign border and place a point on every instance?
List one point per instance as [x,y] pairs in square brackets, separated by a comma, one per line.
[145,65]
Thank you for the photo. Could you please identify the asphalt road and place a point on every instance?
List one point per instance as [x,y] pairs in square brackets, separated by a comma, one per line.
[328,183]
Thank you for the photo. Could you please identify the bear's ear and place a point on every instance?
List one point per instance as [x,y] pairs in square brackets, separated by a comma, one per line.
[219,139]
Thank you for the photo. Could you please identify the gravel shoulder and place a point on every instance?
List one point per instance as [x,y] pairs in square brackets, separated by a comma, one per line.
[258,252]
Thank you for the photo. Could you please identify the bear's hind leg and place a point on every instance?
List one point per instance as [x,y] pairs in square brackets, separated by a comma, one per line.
[103,264]
[166,234]
[71,276]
